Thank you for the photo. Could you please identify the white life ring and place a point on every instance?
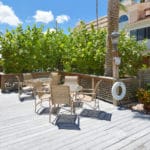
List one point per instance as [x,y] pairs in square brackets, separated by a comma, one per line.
[114,90]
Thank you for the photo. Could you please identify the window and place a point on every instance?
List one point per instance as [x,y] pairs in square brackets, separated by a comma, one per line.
[133,33]
[148,32]
[123,18]
[141,34]
[121,0]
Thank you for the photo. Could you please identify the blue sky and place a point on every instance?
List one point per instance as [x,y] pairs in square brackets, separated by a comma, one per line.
[67,12]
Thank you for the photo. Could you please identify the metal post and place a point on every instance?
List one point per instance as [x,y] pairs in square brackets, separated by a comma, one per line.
[116,58]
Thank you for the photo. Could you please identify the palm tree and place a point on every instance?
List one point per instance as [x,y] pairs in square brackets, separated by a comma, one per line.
[113,15]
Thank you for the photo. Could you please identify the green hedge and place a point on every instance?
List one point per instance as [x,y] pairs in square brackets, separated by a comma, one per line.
[82,50]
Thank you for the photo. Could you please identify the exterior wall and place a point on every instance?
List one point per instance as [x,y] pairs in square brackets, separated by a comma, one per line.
[102,23]
[127,2]
[139,17]
[136,14]
[123,25]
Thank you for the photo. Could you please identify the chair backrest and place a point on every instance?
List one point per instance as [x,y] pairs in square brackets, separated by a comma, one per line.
[18,79]
[27,76]
[55,80]
[97,86]
[71,80]
[53,73]
[60,94]
[95,89]
[38,85]
[19,83]
[38,88]
[27,79]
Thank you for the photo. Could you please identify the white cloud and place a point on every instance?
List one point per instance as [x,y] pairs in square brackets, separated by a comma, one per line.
[62,18]
[43,16]
[51,30]
[8,16]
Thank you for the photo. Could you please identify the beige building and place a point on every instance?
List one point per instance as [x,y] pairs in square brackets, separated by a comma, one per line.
[136,21]
[102,23]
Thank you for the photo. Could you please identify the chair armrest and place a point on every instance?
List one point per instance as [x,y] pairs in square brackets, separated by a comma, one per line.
[87,89]
[88,93]
[43,92]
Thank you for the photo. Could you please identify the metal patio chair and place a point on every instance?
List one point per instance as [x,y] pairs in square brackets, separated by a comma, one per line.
[41,95]
[90,95]
[24,90]
[60,96]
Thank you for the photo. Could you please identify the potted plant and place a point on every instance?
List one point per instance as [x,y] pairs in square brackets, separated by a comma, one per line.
[144,97]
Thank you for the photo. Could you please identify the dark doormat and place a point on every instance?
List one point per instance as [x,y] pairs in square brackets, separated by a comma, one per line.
[101,115]
[66,121]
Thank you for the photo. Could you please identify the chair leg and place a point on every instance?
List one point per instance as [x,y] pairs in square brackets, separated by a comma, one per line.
[19,93]
[35,105]
[96,104]
[50,112]
[33,94]
[73,109]
[78,123]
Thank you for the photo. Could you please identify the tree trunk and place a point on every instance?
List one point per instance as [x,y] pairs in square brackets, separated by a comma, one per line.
[113,15]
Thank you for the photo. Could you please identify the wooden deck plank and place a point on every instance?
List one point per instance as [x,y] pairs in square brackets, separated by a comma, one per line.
[142,143]
[130,139]
[102,125]
[83,139]
[92,139]
[21,128]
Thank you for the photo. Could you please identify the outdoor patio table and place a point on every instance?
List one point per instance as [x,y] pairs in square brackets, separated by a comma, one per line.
[75,89]
[43,80]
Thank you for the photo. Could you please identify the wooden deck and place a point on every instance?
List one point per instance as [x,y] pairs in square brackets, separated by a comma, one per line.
[22,129]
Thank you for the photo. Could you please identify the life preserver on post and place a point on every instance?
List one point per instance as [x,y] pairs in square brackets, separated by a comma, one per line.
[115,89]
